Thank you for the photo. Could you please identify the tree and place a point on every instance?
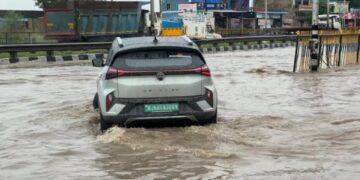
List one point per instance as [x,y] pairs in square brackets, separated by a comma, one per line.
[40,3]
[354,4]
[12,25]
[322,6]
[12,22]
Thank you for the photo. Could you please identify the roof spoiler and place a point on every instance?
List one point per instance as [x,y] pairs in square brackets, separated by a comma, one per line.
[120,42]
[188,40]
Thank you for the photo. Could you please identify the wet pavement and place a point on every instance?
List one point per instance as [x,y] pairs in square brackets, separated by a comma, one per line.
[273,124]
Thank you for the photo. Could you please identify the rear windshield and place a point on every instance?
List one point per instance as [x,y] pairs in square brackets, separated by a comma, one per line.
[157,60]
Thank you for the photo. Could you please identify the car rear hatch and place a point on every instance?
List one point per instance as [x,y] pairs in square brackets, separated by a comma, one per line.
[159,74]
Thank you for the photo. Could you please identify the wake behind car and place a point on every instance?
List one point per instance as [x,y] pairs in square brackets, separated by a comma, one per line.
[154,78]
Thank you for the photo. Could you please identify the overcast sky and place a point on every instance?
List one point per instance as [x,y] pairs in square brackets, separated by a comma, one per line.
[23,4]
[18,5]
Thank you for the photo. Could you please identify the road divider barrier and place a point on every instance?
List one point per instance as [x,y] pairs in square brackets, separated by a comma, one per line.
[207,46]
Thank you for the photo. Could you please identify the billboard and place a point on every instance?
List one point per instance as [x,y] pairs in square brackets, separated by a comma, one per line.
[187,7]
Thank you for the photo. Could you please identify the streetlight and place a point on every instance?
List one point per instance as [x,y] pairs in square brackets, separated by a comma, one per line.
[314,41]
[205,5]
[266,14]
[327,14]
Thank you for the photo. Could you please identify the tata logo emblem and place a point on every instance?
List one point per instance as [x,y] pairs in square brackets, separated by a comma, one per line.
[160,76]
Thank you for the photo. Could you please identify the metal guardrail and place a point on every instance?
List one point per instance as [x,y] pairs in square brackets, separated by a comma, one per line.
[245,39]
[334,50]
[50,48]
[13,49]
[54,47]
[23,37]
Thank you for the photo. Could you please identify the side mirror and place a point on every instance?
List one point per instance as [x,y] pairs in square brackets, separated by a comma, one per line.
[98,63]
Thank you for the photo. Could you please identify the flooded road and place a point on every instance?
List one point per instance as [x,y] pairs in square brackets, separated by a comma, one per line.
[273,124]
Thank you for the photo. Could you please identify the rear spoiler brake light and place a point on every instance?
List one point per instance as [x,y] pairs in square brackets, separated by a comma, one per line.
[114,73]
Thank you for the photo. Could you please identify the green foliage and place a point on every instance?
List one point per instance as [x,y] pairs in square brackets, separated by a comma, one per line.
[322,6]
[40,3]
[12,22]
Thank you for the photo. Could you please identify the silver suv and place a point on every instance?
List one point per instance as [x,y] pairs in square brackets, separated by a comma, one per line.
[154,78]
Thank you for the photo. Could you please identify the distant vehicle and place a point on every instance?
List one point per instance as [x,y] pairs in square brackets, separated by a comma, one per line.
[334,21]
[149,78]
[193,24]
[92,20]
[199,25]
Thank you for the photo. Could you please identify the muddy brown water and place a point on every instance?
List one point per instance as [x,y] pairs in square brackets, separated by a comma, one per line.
[273,124]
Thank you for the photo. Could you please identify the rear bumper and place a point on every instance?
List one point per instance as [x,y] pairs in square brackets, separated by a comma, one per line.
[191,109]
[126,119]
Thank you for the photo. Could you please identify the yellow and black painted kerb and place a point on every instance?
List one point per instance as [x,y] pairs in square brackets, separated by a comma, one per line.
[335,49]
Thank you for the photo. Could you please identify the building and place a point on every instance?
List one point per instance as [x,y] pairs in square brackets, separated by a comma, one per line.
[302,10]
[212,4]
[339,7]
[172,5]
[357,16]
[240,5]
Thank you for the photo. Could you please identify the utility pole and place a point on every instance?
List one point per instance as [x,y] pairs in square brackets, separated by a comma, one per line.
[314,42]
[152,17]
[251,5]
[266,14]
[205,5]
[327,14]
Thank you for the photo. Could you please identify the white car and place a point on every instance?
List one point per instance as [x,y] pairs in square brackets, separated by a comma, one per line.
[150,79]
[334,21]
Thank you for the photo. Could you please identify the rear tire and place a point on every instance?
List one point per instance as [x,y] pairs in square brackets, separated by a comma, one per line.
[103,124]
[96,101]
[214,119]
[210,120]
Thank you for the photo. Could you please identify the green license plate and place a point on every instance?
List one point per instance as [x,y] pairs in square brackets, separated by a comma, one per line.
[160,108]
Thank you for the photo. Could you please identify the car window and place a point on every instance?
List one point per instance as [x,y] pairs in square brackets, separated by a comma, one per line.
[108,58]
[157,60]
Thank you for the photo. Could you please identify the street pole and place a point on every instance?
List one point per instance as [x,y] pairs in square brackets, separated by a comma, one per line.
[251,5]
[205,5]
[327,14]
[266,14]
[152,17]
[314,42]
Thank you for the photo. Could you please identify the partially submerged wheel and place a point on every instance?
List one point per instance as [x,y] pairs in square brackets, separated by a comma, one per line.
[104,125]
[211,120]
[96,101]
[214,119]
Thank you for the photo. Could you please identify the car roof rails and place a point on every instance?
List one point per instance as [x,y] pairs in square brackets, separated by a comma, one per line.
[120,42]
[188,40]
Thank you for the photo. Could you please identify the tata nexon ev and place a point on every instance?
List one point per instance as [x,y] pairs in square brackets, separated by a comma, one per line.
[154,78]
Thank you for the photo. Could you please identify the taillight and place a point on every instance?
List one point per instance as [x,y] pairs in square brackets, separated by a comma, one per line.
[115,73]
[210,97]
[205,71]
[109,101]
[111,73]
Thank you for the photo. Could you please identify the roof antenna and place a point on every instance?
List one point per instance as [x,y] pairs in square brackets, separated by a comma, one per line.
[152,18]
[155,38]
